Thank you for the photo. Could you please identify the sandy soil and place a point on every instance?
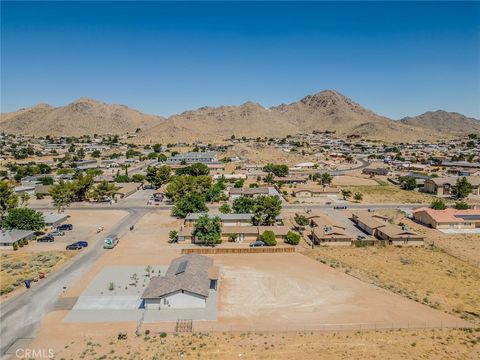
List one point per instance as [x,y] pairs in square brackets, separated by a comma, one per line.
[101,342]
[388,194]
[345,180]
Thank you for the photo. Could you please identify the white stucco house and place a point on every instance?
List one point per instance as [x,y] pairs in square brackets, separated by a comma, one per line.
[186,284]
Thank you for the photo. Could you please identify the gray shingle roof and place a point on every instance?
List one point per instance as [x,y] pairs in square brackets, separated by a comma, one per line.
[193,279]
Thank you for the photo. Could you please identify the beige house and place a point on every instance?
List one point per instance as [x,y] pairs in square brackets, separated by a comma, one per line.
[448,219]
[369,222]
[396,235]
[441,186]
[325,231]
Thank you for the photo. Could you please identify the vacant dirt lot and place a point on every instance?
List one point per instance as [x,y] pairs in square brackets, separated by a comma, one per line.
[463,246]
[388,194]
[426,275]
[397,344]
[18,266]
[359,180]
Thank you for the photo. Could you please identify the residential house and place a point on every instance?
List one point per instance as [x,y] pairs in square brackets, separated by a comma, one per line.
[442,186]
[307,191]
[14,236]
[325,231]
[187,284]
[399,235]
[448,219]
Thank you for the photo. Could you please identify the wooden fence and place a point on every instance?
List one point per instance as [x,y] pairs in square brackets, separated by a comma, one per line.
[254,250]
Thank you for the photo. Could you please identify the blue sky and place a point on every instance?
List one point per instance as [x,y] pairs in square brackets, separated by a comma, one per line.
[397,59]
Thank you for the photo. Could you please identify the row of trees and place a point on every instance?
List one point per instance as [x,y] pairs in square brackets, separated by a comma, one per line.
[264,209]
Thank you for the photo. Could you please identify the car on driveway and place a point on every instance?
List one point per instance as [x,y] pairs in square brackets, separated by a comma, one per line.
[257,243]
[64,227]
[46,238]
[74,246]
[57,233]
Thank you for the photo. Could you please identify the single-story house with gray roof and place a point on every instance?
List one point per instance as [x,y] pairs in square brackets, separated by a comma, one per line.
[186,284]
[14,236]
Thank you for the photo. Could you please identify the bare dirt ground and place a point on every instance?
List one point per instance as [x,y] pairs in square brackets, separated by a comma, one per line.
[429,276]
[380,194]
[151,344]
[357,180]
[463,246]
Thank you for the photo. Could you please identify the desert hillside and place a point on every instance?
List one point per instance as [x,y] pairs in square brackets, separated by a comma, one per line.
[326,110]
[81,117]
[444,121]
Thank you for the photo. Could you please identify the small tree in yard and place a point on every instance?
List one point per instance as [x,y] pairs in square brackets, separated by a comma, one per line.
[189,203]
[225,209]
[408,183]
[301,220]
[358,196]
[268,237]
[173,235]
[438,204]
[24,219]
[266,210]
[208,230]
[461,205]
[346,194]
[292,238]
[326,179]
[462,188]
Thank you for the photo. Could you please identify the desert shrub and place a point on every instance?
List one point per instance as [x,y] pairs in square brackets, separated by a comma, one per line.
[292,238]
[268,237]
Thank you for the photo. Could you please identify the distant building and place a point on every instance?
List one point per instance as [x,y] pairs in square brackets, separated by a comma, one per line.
[441,186]
[207,157]
[14,236]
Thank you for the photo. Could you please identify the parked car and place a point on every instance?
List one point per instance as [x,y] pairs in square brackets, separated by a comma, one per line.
[74,246]
[82,243]
[46,238]
[65,227]
[57,233]
[257,243]
[39,233]
[340,207]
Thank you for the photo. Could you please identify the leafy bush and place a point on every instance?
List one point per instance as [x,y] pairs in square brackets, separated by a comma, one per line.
[268,237]
[292,238]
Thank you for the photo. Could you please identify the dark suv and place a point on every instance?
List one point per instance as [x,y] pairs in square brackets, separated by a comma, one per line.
[65,227]
[46,238]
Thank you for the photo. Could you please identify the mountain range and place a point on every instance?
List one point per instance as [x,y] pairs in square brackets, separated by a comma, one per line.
[326,110]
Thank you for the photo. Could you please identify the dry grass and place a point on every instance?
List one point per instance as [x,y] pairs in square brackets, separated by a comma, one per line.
[397,344]
[424,274]
[462,246]
[389,194]
[19,266]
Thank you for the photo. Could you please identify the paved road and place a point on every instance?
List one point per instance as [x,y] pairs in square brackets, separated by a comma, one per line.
[20,316]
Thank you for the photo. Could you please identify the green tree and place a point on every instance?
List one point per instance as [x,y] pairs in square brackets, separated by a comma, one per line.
[189,203]
[461,205]
[358,196]
[266,210]
[269,178]
[197,169]
[208,230]
[81,153]
[158,176]
[157,148]
[292,238]
[462,188]
[24,198]
[438,204]
[243,205]
[301,220]
[279,170]
[46,180]
[182,185]
[346,193]
[326,179]
[239,183]
[103,191]
[162,158]
[62,195]
[268,237]
[138,178]
[24,219]
[173,235]
[8,199]
[408,183]
[81,186]
[96,153]
[225,209]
